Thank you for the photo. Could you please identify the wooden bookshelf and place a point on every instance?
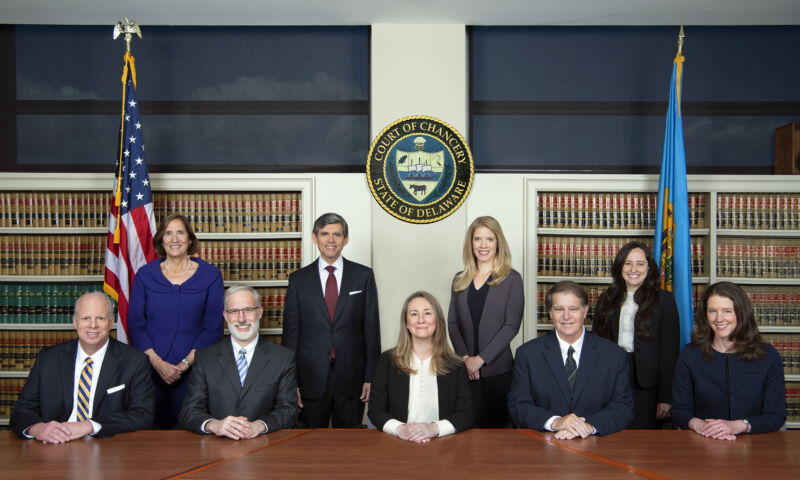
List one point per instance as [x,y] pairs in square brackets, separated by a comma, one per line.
[252,226]
[744,229]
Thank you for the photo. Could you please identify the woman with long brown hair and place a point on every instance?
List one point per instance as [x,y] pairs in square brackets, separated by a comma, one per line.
[728,381]
[420,388]
[636,314]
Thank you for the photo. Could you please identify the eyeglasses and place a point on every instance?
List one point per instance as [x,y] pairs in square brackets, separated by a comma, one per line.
[248,311]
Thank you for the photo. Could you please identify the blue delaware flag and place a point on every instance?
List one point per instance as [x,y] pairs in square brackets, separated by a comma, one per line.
[672,242]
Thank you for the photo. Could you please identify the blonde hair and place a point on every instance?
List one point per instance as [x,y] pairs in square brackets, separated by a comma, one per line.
[502,258]
[443,359]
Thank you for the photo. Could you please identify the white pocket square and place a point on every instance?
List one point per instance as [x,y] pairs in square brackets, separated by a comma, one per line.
[115,389]
[355,292]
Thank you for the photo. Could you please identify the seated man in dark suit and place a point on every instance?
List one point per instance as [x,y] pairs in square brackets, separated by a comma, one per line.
[90,386]
[570,381]
[245,386]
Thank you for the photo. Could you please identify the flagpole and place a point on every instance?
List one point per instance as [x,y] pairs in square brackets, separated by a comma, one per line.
[131,223]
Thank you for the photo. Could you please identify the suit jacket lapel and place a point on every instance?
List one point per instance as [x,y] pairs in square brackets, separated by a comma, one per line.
[552,354]
[110,366]
[314,285]
[614,325]
[228,364]
[344,289]
[468,330]
[257,365]
[68,378]
[589,358]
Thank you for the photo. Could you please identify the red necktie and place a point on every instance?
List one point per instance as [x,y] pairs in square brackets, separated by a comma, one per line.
[331,292]
[331,295]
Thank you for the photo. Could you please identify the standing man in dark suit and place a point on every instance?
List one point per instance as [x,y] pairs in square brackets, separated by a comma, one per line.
[331,322]
[245,386]
[570,381]
[90,386]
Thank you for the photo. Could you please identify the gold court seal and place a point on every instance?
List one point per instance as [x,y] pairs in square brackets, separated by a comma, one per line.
[419,169]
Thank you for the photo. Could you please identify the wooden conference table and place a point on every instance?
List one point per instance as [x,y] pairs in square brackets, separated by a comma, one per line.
[356,454]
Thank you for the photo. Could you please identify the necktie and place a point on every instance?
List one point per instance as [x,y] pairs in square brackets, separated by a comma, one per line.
[241,365]
[84,388]
[572,367]
[331,296]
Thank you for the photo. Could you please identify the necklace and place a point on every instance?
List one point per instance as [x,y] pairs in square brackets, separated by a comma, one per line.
[164,266]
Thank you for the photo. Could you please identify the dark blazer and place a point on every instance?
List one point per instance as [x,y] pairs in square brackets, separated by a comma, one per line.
[389,395]
[355,331]
[214,391]
[602,392]
[499,323]
[48,393]
[729,388]
[655,358]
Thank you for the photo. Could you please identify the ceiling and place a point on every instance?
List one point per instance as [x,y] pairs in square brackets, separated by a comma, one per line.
[366,12]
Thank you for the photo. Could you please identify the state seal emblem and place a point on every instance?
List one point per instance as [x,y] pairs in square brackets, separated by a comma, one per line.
[419,169]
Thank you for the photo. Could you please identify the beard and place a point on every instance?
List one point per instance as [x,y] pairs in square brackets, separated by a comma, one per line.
[243,335]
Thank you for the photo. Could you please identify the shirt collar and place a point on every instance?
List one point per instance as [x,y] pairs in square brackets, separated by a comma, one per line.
[321,264]
[248,349]
[564,346]
[98,355]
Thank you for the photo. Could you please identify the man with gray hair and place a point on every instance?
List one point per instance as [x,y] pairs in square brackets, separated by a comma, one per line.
[330,321]
[245,386]
[90,386]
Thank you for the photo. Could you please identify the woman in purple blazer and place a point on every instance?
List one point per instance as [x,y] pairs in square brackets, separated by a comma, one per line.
[484,316]
[175,308]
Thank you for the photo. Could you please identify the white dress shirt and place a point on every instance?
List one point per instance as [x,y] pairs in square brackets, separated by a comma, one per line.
[423,400]
[323,274]
[564,347]
[97,364]
[626,315]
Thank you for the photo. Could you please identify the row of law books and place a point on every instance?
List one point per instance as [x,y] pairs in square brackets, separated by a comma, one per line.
[54,209]
[234,212]
[619,210]
[758,211]
[793,401]
[208,212]
[775,305]
[18,348]
[253,259]
[10,389]
[758,257]
[52,254]
[788,346]
[593,292]
[40,302]
[593,256]
[272,301]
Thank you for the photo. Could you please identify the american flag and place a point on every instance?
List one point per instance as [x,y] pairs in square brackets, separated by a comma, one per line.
[131,224]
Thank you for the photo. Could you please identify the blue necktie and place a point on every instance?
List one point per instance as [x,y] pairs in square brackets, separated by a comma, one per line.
[84,389]
[241,365]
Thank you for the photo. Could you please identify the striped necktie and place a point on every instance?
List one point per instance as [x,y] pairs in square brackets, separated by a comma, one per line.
[572,367]
[84,389]
[241,365]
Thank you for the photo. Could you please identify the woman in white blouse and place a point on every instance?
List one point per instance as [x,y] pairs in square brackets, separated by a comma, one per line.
[636,314]
[420,388]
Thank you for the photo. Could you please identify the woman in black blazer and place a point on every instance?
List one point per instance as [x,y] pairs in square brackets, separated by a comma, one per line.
[485,313]
[420,388]
[642,319]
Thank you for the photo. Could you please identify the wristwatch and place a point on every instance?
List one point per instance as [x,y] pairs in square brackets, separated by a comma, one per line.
[186,362]
[746,425]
